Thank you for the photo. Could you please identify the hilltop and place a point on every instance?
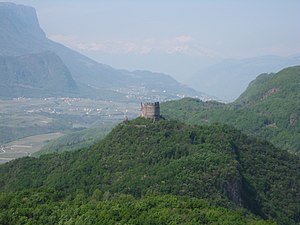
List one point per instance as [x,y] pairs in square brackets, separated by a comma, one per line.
[269,108]
[140,158]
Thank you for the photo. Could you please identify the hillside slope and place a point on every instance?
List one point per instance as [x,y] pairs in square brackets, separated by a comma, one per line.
[269,108]
[42,74]
[75,140]
[139,158]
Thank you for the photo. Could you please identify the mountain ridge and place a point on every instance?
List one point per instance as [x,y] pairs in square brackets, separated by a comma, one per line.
[16,39]
[269,108]
[229,78]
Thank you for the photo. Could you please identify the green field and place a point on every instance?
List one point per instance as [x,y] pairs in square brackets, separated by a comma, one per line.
[25,146]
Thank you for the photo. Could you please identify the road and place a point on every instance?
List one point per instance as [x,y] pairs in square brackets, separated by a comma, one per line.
[2,149]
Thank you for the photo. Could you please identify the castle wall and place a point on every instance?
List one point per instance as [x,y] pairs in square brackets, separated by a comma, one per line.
[150,110]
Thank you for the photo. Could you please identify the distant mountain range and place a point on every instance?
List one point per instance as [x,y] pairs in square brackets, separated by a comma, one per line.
[20,34]
[229,78]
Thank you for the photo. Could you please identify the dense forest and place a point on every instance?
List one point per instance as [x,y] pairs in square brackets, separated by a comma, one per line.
[269,108]
[48,207]
[165,164]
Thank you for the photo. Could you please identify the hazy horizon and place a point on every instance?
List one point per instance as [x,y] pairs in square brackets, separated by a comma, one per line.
[174,37]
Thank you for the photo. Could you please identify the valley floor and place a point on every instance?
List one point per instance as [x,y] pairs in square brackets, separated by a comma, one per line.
[26,124]
[25,146]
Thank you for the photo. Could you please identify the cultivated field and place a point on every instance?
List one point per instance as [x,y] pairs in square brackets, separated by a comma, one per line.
[25,146]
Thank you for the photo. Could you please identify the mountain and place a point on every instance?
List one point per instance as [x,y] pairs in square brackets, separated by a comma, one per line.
[229,78]
[41,74]
[284,84]
[269,108]
[20,34]
[140,158]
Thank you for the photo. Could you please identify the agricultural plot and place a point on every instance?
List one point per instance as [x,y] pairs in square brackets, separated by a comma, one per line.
[25,146]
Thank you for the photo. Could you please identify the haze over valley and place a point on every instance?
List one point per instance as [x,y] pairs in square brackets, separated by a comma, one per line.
[211,46]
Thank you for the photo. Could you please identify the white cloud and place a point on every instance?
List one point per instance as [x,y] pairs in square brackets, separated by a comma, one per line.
[183,44]
[184,39]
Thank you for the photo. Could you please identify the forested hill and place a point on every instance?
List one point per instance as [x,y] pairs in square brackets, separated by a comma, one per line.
[273,87]
[269,108]
[140,158]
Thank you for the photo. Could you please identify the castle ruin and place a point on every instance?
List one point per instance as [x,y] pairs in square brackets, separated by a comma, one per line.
[150,111]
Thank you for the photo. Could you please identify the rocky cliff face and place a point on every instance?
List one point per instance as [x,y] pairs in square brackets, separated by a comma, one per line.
[19,29]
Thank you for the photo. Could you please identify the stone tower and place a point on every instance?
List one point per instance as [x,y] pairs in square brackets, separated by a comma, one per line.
[150,110]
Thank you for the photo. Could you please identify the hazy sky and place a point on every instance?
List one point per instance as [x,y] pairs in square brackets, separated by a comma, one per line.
[171,36]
